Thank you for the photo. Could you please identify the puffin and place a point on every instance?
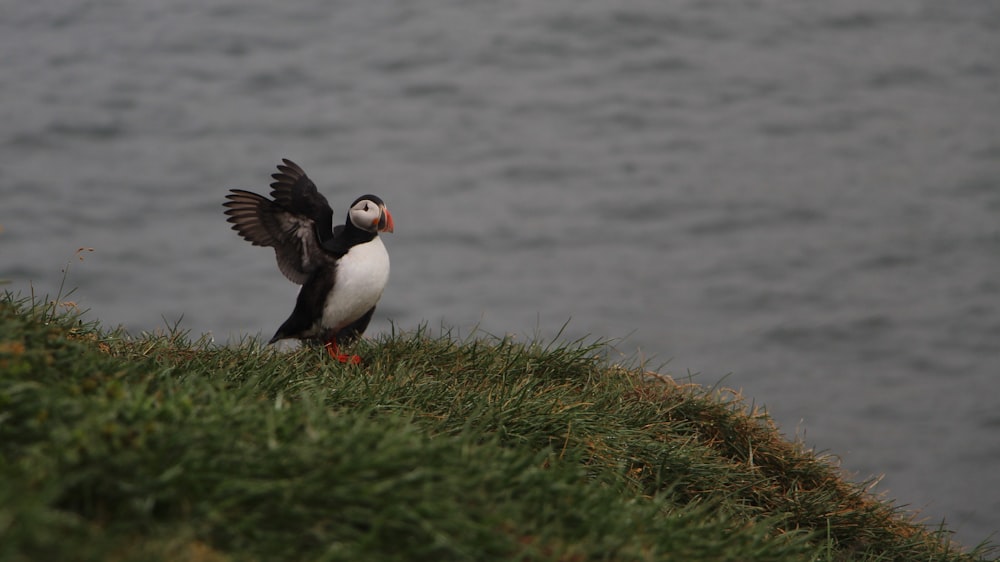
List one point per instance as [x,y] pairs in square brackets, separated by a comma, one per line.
[343,270]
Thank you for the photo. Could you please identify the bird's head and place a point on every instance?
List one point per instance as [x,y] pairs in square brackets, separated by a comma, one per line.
[368,212]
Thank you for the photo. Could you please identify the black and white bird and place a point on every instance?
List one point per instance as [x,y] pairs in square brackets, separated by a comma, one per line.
[342,270]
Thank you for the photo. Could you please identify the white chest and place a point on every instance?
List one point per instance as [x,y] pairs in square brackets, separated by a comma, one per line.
[359,280]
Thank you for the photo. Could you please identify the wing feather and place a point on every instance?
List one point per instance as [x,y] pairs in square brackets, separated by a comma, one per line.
[295,223]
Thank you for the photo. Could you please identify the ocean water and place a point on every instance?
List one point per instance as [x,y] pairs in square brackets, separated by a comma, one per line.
[801,200]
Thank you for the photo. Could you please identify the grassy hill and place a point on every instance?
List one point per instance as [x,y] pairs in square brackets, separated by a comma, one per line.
[155,447]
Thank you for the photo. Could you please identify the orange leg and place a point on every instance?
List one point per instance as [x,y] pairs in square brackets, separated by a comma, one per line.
[334,351]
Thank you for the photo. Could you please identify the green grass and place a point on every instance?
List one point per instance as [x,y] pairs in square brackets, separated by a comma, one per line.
[156,447]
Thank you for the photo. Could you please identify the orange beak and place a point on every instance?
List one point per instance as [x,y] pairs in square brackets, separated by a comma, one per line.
[384,221]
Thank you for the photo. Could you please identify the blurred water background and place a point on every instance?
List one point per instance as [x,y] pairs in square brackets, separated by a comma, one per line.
[801,199]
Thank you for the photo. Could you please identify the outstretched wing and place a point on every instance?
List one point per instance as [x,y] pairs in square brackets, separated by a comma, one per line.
[295,223]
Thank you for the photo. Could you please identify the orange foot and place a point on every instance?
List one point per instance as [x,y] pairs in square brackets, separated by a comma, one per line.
[334,351]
